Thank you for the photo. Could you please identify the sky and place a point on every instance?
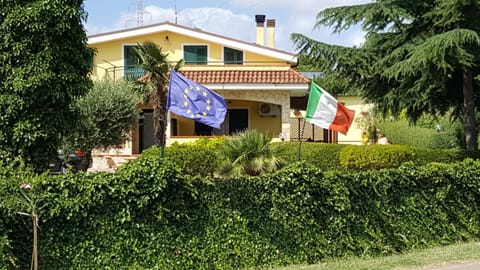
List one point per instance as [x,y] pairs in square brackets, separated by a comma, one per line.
[232,18]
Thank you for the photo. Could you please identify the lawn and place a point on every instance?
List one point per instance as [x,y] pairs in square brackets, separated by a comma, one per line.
[415,259]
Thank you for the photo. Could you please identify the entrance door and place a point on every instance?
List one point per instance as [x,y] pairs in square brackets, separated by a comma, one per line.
[146,130]
[238,120]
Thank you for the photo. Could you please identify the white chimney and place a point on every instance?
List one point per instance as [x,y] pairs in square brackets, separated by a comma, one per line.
[260,20]
[271,33]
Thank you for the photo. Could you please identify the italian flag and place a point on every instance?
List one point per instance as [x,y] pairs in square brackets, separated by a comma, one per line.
[325,111]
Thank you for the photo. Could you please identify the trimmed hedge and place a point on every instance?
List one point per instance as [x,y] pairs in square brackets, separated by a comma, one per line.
[325,156]
[422,135]
[194,158]
[425,156]
[341,157]
[369,157]
[201,157]
[149,215]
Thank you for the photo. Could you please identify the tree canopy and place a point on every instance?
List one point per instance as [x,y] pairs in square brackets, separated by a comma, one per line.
[109,111]
[418,56]
[45,63]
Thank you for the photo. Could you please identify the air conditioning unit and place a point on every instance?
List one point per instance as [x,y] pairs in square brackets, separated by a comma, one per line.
[268,109]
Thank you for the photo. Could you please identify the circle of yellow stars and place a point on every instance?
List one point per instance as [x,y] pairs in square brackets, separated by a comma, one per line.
[204,94]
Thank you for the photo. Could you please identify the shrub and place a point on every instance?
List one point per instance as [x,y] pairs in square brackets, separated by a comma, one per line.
[369,157]
[108,112]
[251,153]
[322,155]
[197,158]
[422,135]
[6,257]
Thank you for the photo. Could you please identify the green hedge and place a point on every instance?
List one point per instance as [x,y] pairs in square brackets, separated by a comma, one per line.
[425,156]
[195,158]
[325,156]
[201,157]
[149,215]
[369,157]
[422,135]
[341,157]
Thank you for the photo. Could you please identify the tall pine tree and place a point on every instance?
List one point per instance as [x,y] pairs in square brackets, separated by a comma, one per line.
[418,55]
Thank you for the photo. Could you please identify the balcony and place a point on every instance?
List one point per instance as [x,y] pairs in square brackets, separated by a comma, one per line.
[133,72]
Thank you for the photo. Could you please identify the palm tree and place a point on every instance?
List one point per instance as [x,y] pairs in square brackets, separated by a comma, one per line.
[252,153]
[154,62]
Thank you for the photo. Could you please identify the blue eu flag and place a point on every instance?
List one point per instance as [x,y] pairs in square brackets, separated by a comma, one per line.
[192,100]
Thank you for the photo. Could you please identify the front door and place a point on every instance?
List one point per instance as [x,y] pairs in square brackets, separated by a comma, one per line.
[237,120]
[147,138]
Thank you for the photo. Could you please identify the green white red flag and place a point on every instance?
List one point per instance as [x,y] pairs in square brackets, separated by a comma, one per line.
[325,111]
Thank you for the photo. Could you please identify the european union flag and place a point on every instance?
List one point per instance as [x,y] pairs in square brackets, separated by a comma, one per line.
[192,100]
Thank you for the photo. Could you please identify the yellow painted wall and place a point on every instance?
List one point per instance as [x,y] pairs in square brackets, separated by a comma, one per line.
[255,121]
[112,52]
[354,135]
[186,127]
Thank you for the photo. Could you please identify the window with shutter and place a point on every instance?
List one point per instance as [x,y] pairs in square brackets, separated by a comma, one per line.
[195,54]
[232,56]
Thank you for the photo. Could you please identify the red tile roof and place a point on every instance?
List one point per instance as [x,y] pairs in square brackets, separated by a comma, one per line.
[289,76]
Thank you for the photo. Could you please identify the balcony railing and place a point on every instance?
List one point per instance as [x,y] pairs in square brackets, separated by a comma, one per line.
[133,72]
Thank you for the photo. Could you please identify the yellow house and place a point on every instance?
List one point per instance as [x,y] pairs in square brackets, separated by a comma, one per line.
[256,80]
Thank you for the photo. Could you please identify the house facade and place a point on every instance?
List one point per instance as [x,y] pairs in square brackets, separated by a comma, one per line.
[256,80]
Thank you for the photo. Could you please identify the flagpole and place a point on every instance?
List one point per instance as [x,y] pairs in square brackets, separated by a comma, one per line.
[300,140]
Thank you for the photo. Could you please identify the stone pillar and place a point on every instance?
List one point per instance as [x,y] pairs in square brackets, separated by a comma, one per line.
[286,118]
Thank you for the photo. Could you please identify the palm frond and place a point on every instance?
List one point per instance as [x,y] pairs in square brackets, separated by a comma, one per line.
[250,153]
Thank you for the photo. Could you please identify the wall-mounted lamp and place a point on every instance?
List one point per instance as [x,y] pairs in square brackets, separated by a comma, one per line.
[166,39]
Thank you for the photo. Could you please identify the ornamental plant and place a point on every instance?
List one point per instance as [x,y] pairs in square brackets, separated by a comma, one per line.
[251,153]
[30,202]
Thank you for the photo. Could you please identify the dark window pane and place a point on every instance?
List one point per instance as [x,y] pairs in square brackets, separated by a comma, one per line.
[238,120]
[202,129]
[131,68]
[232,56]
[195,54]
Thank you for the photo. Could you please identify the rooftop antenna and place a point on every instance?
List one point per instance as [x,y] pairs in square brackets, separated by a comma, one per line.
[139,13]
[176,14]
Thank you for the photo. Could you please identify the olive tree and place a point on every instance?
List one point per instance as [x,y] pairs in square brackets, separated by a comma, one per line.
[108,112]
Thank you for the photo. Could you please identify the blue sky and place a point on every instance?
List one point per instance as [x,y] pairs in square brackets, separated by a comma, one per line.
[233,18]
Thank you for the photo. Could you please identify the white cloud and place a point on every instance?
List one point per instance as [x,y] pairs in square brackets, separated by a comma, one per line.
[300,17]
[316,5]
[291,17]
[219,21]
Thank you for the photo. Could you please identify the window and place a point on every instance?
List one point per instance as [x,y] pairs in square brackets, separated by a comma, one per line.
[202,129]
[232,56]
[173,127]
[131,67]
[195,54]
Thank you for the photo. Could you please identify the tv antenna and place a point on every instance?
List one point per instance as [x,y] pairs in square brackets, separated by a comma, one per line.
[140,14]
[176,13]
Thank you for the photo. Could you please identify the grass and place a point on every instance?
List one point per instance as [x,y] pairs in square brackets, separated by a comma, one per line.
[415,259]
